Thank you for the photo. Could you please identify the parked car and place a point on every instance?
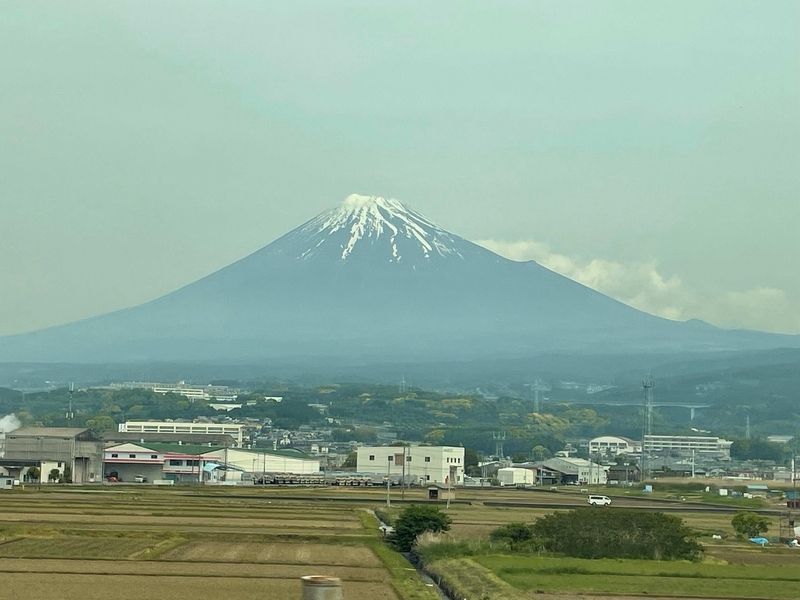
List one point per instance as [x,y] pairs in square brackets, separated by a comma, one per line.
[140,479]
[599,500]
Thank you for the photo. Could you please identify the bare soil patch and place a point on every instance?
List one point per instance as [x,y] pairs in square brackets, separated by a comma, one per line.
[22,586]
[210,569]
[275,553]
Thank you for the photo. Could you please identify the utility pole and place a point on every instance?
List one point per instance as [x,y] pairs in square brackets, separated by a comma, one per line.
[389,483]
[70,415]
[403,483]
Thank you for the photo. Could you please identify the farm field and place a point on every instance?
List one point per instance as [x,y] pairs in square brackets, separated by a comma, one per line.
[148,544]
[139,541]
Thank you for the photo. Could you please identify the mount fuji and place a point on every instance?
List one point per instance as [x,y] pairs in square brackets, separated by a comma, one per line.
[374,280]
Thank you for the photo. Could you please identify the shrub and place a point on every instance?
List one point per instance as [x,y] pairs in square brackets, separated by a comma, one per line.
[617,533]
[415,520]
[519,537]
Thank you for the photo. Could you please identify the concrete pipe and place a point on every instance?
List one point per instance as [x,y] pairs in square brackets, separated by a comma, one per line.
[321,587]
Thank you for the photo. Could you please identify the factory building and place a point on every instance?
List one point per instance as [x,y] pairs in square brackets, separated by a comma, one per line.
[177,427]
[188,463]
[75,453]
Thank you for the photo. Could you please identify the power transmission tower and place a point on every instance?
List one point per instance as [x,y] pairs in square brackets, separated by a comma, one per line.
[403,387]
[499,439]
[647,419]
[747,429]
[537,401]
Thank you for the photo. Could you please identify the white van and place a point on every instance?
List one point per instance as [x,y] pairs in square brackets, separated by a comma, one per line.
[599,500]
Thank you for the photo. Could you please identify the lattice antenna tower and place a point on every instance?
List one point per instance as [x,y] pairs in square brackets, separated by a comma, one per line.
[647,415]
[403,386]
[537,401]
[499,438]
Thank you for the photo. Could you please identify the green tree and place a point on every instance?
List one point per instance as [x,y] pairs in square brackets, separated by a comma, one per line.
[418,519]
[519,457]
[33,473]
[54,475]
[351,461]
[541,453]
[749,524]
[101,423]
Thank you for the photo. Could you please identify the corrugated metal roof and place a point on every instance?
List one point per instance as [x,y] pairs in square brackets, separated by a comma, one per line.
[60,432]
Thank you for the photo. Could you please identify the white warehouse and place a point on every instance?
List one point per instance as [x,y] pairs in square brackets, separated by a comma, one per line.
[431,464]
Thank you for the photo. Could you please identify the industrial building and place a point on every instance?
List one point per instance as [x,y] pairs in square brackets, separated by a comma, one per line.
[427,464]
[686,445]
[75,453]
[187,463]
[178,427]
[609,445]
[571,471]
[192,392]
[223,440]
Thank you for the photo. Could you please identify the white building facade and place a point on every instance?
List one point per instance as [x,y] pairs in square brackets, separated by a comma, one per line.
[186,428]
[430,464]
[687,444]
[609,445]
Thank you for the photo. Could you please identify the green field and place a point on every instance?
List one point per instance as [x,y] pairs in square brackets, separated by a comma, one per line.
[645,577]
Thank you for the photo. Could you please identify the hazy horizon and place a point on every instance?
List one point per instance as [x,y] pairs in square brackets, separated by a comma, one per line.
[648,151]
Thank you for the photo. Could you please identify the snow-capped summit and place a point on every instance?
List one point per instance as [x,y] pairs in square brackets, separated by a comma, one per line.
[384,228]
[372,280]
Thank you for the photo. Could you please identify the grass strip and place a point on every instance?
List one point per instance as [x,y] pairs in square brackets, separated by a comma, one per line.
[465,578]
[405,579]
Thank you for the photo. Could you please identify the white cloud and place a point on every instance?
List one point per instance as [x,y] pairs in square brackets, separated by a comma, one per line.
[642,286]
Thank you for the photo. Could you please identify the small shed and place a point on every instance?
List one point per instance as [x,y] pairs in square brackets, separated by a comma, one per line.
[6,482]
[441,492]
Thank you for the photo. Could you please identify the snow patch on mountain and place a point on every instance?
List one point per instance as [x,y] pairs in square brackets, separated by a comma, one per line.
[360,219]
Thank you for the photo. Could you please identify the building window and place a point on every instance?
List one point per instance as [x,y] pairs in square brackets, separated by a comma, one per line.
[175,463]
[131,456]
[115,456]
[154,456]
[372,457]
[427,477]
[427,459]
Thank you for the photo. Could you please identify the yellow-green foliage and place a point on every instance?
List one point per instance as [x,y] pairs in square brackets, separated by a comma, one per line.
[465,403]
[443,415]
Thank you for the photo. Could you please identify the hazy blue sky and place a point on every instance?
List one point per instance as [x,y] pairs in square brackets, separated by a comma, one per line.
[650,149]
